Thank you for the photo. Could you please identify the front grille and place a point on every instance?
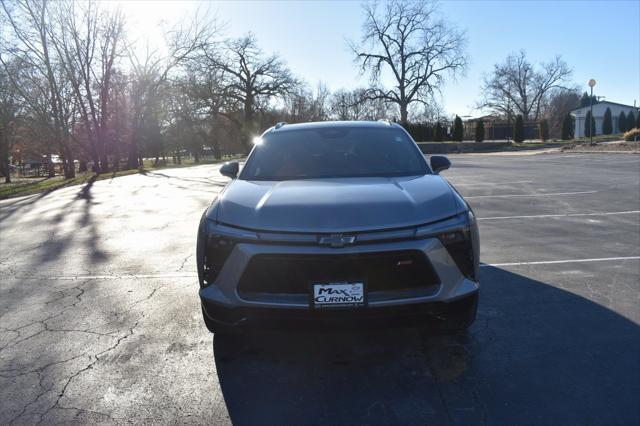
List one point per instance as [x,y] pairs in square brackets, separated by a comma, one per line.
[294,274]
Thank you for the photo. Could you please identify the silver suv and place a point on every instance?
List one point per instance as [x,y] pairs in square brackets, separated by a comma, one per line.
[338,223]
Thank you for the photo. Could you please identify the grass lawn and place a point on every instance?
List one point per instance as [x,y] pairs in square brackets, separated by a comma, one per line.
[35,185]
[539,145]
[28,186]
[632,147]
[601,138]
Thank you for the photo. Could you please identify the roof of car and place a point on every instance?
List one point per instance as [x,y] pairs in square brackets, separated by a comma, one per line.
[283,127]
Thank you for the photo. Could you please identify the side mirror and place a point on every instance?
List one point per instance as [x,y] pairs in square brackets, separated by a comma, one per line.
[230,169]
[439,163]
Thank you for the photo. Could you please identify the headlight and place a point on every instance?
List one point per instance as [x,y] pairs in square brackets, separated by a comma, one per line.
[220,241]
[461,240]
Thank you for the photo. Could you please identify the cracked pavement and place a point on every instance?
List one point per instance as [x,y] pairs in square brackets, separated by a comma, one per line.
[100,319]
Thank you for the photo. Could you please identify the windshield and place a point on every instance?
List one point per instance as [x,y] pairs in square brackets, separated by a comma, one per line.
[334,152]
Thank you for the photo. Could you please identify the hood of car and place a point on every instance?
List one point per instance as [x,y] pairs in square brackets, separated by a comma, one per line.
[335,205]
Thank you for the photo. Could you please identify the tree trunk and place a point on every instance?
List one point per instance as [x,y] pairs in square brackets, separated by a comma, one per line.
[403,114]
[4,158]
[132,161]
[51,172]
[104,164]
[217,152]
[6,170]
[69,170]
[63,166]
[69,165]
[96,161]
[104,159]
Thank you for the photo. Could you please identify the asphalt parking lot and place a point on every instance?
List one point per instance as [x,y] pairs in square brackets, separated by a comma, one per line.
[100,320]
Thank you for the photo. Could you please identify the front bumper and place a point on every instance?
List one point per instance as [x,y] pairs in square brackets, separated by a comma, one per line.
[223,303]
[340,318]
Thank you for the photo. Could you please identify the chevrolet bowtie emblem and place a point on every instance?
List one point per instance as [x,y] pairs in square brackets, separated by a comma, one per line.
[337,240]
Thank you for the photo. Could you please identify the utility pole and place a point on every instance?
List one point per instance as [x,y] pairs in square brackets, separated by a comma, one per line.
[508,121]
[635,138]
[591,83]
[509,115]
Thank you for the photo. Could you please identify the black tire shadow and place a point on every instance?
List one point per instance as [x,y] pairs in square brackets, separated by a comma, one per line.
[536,355]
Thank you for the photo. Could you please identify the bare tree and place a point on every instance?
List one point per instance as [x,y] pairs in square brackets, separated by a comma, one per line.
[432,113]
[9,108]
[357,105]
[119,128]
[188,119]
[150,73]
[308,105]
[560,103]
[414,47]
[344,105]
[30,23]
[517,86]
[88,41]
[207,91]
[251,78]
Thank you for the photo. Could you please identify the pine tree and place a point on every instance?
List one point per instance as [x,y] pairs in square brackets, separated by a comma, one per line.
[589,130]
[631,120]
[458,130]
[479,131]
[518,129]
[586,100]
[607,124]
[567,128]
[638,119]
[544,130]
[622,122]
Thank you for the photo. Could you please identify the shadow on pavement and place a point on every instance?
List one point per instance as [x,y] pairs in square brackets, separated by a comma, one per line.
[62,237]
[536,355]
[11,207]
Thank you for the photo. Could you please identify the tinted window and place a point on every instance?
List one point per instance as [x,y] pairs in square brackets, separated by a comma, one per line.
[334,152]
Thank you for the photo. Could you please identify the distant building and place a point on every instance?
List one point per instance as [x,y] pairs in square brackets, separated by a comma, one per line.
[599,109]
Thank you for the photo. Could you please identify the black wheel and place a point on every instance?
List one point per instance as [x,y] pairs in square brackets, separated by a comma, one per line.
[217,328]
[458,316]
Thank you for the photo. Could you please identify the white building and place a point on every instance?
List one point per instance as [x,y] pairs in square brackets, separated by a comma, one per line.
[580,114]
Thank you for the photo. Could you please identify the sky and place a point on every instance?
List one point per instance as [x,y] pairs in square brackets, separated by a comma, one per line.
[598,39]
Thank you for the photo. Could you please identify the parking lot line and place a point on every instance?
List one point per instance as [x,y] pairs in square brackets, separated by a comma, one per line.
[559,215]
[551,262]
[193,275]
[529,195]
[107,277]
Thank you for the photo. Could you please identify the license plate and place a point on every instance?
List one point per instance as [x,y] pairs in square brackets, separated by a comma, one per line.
[338,294]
